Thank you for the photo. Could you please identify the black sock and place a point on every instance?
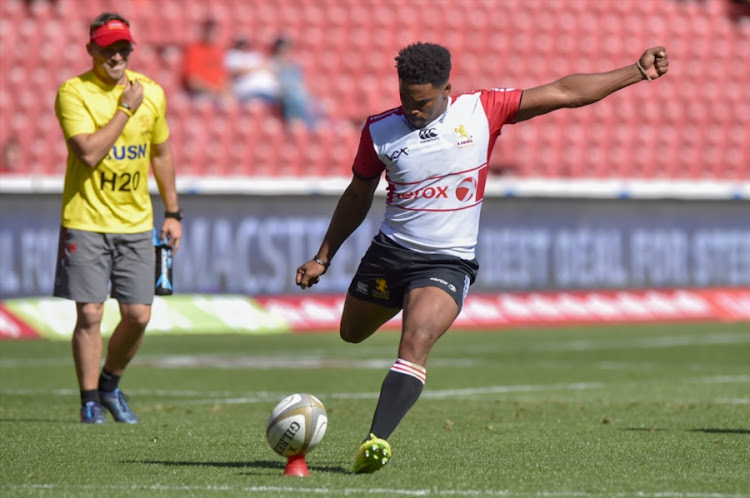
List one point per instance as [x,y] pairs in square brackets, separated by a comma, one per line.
[108,381]
[92,395]
[401,389]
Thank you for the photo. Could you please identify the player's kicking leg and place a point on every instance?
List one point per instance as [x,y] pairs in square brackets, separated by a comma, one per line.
[428,312]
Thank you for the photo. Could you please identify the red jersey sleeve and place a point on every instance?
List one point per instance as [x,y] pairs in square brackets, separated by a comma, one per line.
[366,163]
[501,106]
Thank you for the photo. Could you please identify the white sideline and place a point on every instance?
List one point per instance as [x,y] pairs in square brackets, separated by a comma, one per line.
[212,397]
[560,188]
[317,361]
[286,490]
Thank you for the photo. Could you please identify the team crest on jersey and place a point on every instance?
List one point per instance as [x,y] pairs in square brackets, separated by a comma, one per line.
[381,289]
[464,138]
[145,123]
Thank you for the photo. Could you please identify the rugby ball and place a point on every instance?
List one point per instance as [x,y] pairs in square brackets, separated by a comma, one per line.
[296,425]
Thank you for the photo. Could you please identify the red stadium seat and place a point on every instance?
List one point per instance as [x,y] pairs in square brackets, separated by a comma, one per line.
[698,131]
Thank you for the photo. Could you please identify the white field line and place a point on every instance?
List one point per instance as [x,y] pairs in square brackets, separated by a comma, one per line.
[288,490]
[734,401]
[228,397]
[239,361]
[623,343]
[262,397]
[314,361]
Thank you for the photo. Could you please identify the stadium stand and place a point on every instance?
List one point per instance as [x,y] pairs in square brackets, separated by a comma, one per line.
[694,127]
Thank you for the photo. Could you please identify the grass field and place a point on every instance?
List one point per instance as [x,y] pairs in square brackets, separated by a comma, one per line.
[648,411]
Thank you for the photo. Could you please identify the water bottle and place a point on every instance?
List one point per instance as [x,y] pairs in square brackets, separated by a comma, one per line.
[163,255]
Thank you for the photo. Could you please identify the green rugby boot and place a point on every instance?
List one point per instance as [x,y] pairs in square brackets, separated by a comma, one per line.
[373,454]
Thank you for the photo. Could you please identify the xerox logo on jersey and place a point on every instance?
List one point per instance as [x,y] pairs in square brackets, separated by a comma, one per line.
[432,192]
[428,135]
[460,190]
[466,189]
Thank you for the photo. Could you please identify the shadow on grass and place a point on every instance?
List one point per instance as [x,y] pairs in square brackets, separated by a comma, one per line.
[722,431]
[259,464]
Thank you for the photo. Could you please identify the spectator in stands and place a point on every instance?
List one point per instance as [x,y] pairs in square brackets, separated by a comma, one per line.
[434,149]
[296,104]
[115,128]
[738,9]
[204,74]
[33,6]
[11,158]
[253,77]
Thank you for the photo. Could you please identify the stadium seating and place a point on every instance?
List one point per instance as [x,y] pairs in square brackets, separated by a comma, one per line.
[691,125]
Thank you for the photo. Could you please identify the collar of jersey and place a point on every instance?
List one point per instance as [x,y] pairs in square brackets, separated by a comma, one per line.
[104,86]
[441,118]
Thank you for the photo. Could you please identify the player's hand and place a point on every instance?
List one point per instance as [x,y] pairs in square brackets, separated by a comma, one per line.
[171,229]
[309,274]
[655,62]
[132,94]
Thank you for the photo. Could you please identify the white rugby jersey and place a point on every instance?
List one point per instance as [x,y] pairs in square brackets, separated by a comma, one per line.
[436,175]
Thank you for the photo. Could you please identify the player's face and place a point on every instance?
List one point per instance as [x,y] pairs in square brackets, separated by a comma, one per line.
[423,103]
[111,61]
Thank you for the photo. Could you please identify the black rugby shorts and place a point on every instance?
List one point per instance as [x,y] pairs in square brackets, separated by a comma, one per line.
[388,271]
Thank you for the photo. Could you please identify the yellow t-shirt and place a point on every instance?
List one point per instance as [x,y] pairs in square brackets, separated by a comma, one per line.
[112,197]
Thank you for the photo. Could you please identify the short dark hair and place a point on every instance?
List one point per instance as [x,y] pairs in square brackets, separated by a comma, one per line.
[104,18]
[421,63]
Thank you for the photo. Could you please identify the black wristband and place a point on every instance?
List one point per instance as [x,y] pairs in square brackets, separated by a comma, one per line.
[325,264]
[178,215]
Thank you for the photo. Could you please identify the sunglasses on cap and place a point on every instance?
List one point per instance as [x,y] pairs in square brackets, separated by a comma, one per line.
[108,52]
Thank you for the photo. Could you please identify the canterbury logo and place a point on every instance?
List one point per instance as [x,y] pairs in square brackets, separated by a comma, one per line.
[428,133]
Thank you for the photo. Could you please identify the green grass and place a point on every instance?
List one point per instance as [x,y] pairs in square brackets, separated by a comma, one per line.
[650,411]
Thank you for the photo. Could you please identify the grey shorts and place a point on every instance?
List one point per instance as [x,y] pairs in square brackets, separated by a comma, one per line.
[87,262]
[388,271]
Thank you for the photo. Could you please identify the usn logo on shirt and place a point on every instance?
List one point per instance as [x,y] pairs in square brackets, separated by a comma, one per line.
[129,152]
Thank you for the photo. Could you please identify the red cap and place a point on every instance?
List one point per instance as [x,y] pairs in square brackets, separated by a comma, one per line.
[110,33]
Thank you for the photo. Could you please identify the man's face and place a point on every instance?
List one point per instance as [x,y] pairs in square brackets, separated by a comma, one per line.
[111,61]
[423,103]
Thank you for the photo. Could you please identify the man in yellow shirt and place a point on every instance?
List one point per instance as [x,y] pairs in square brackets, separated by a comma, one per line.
[114,123]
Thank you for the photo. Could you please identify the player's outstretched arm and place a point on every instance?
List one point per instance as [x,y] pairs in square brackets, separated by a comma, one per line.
[577,90]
